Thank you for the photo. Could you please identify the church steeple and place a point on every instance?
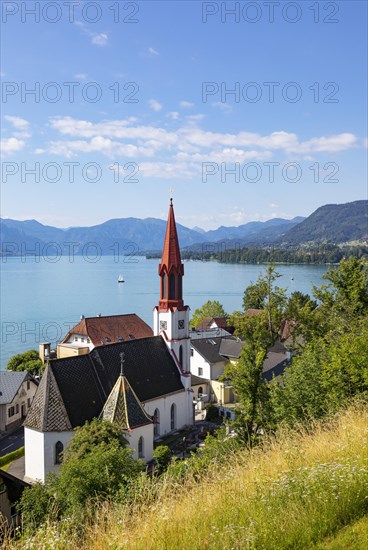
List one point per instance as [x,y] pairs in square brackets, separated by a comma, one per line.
[171,268]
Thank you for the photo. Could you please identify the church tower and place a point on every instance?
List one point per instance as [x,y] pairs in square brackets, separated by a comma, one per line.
[171,316]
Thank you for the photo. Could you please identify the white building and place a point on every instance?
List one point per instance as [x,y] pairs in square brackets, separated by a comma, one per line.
[142,384]
[17,389]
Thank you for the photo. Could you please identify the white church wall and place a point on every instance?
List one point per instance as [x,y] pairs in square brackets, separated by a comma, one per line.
[34,458]
[163,404]
[133,438]
[40,452]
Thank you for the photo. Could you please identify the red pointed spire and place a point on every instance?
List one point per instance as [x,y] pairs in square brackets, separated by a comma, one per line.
[171,269]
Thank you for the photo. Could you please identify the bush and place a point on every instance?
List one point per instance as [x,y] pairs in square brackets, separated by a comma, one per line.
[162,456]
[212,413]
[10,457]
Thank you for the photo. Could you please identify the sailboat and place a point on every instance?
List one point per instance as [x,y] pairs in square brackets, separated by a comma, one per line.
[121,279]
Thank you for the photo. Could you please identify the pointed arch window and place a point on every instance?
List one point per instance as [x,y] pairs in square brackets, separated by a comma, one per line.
[156,423]
[59,449]
[141,447]
[180,287]
[164,286]
[181,355]
[172,287]
[173,417]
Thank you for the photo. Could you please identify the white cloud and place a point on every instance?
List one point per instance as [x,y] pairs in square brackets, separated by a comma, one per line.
[174,115]
[273,205]
[81,76]
[225,107]
[155,105]
[11,145]
[186,104]
[100,39]
[186,147]
[17,122]
[152,51]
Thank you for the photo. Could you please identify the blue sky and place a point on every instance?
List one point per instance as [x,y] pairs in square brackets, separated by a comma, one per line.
[164,115]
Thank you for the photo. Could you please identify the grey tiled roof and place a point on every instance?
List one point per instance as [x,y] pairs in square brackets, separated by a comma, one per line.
[123,407]
[209,348]
[85,382]
[47,412]
[10,382]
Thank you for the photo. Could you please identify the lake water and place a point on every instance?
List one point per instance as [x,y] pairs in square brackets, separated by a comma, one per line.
[41,300]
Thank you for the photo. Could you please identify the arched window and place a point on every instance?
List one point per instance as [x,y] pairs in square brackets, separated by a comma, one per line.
[164,286]
[200,392]
[59,448]
[173,417]
[156,423]
[141,447]
[181,355]
[172,287]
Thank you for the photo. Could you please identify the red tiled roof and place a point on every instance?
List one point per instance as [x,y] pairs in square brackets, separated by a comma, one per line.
[171,251]
[111,327]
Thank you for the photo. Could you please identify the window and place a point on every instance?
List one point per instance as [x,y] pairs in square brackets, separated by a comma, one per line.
[75,338]
[163,325]
[141,447]
[200,371]
[164,286]
[29,402]
[82,339]
[180,287]
[17,408]
[173,417]
[181,355]
[59,448]
[156,423]
[172,287]
[10,412]
[28,384]
[181,324]
[88,341]
[191,352]
[200,392]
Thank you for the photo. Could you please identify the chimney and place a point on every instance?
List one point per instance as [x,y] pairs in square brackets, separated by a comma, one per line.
[44,349]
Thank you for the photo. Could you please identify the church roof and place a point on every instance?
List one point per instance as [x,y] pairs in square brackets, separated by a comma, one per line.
[111,328]
[123,407]
[48,413]
[85,382]
[171,251]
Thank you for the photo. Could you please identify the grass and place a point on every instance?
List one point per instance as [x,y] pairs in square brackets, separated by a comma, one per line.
[7,460]
[295,492]
[351,537]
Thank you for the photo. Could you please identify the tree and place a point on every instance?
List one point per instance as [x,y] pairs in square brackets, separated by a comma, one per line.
[162,456]
[209,309]
[27,361]
[252,413]
[269,297]
[92,434]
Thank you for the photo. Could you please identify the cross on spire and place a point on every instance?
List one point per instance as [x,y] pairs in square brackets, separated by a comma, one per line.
[171,190]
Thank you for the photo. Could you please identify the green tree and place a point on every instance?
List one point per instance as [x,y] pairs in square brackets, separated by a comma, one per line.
[255,295]
[162,456]
[102,473]
[253,412]
[212,308]
[27,361]
[92,434]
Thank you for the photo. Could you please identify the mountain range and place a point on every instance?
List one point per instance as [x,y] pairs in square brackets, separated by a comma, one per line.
[329,223]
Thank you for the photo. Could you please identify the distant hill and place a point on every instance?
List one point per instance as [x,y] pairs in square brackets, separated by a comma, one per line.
[330,223]
[335,223]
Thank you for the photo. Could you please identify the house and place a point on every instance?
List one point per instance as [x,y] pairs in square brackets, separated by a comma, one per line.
[17,389]
[95,331]
[215,323]
[210,357]
[141,383]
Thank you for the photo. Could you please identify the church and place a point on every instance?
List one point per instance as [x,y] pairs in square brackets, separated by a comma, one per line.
[141,384]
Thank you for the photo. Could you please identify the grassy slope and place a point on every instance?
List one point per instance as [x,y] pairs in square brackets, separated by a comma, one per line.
[294,493]
[352,537]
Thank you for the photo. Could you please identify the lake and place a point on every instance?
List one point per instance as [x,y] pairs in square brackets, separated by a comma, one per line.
[41,299]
